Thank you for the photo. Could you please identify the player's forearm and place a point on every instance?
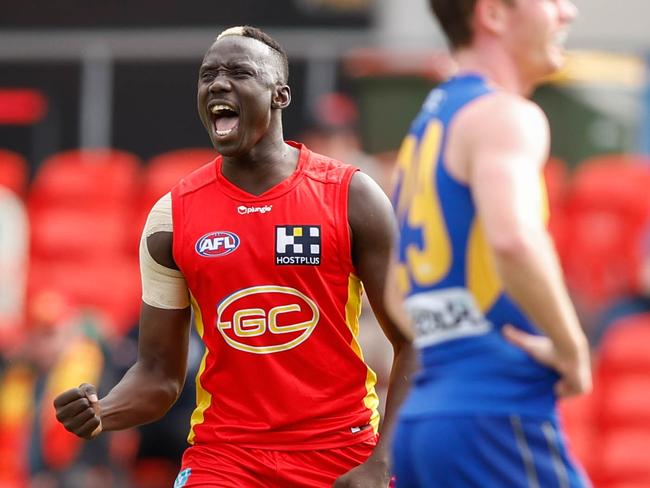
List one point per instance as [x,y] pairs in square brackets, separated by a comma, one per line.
[531,275]
[404,364]
[142,396]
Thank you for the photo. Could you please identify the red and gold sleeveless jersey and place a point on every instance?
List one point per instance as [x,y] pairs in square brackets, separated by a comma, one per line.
[277,304]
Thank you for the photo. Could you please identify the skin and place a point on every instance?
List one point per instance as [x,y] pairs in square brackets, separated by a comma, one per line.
[245,73]
[517,44]
[498,146]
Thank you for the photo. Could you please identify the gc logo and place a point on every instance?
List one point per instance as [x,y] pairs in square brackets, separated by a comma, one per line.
[285,320]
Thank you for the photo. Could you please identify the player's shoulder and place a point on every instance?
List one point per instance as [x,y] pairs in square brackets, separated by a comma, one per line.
[197,179]
[500,116]
[501,109]
[366,198]
[324,169]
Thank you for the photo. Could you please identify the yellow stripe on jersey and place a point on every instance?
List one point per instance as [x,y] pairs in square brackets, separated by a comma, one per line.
[352,313]
[482,279]
[203,397]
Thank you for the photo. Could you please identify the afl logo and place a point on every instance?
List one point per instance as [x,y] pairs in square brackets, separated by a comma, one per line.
[266,319]
[215,244]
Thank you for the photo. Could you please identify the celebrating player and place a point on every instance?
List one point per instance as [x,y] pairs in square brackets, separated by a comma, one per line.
[268,245]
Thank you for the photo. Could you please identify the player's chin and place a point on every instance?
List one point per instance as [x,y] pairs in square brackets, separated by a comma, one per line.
[556,58]
[549,66]
[229,148]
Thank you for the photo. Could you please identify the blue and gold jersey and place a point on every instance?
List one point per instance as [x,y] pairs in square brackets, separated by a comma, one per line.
[452,292]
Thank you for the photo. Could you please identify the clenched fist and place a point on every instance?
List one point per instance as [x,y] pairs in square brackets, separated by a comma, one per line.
[78,410]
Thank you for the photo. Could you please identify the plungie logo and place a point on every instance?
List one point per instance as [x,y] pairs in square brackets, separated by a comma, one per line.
[215,244]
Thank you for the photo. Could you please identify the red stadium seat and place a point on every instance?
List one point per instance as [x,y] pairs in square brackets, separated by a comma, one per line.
[624,460]
[165,170]
[607,210]
[94,178]
[162,172]
[13,172]
[577,414]
[622,404]
[625,403]
[111,287]
[78,235]
[625,348]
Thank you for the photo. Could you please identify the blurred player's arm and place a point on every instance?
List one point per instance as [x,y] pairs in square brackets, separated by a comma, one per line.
[152,385]
[372,224]
[506,141]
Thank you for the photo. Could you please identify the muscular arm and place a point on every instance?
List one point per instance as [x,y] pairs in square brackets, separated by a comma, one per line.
[152,385]
[507,141]
[373,233]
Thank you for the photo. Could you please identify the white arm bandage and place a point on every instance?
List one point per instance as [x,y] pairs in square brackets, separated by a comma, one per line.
[162,287]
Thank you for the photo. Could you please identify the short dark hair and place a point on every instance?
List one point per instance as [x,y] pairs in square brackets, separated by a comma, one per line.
[260,35]
[455,18]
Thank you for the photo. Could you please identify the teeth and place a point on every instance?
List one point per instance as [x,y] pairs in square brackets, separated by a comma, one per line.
[222,133]
[561,37]
[218,108]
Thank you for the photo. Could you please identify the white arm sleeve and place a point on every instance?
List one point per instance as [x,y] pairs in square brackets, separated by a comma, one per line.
[162,287]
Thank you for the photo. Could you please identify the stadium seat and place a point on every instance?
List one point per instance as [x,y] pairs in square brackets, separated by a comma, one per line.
[78,235]
[94,178]
[13,172]
[161,173]
[111,287]
[577,416]
[622,404]
[607,210]
[165,170]
[625,348]
[624,460]
[625,403]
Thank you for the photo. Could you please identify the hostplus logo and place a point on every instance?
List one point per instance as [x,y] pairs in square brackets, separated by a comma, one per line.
[297,244]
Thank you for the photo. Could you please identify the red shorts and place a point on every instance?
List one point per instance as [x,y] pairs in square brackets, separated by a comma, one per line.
[230,465]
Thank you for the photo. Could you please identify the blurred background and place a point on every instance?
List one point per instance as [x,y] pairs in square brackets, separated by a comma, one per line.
[98,120]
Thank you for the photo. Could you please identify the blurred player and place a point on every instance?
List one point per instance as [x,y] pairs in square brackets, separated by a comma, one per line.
[476,266]
[271,243]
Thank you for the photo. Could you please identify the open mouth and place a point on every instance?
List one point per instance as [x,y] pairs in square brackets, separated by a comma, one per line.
[561,37]
[226,118]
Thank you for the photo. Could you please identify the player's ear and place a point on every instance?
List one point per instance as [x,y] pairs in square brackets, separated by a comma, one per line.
[281,97]
[491,15]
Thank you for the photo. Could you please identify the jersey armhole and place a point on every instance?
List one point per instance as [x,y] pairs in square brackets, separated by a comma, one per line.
[444,143]
[343,225]
[177,225]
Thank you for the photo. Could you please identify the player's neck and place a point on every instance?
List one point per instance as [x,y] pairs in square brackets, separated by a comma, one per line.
[270,162]
[496,66]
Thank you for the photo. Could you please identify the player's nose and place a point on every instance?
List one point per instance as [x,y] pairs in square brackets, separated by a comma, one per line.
[568,11]
[220,83]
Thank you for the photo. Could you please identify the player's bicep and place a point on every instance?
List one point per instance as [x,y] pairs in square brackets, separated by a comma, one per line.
[373,227]
[163,341]
[505,172]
